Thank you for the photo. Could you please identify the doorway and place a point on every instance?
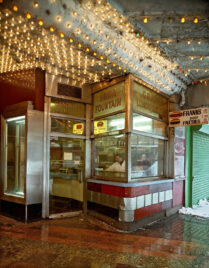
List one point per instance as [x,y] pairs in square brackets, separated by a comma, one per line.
[66,174]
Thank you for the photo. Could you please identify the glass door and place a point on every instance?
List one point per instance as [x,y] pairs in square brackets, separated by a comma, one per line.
[66,174]
[14,153]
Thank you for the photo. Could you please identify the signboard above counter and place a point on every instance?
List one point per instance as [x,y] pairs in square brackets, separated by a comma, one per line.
[189,117]
[109,100]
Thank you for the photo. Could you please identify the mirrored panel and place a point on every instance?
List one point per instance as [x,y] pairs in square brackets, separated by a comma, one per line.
[15,170]
[147,156]
[110,156]
[66,107]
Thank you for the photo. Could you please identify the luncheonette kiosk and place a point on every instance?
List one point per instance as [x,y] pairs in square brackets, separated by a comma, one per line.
[132,154]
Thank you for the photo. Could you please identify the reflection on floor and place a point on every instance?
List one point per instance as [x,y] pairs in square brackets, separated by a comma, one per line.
[61,205]
[178,241]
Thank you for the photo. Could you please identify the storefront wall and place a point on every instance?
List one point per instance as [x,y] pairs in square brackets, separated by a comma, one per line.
[134,193]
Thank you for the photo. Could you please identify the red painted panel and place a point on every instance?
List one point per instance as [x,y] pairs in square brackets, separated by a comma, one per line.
[178,193]
[159,187]
[12,94]
[136,191]
[113,190]
[95,187]
[124,191]
[147,211]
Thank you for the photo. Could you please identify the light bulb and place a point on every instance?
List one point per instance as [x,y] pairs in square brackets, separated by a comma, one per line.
[40,22]
[183,19]
[196,20]
[15,8]
[145,20]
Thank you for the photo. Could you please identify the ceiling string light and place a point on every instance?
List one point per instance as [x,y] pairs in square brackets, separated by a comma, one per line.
[158,72]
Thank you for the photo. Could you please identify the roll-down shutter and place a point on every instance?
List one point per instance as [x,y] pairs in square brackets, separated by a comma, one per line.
[200,185]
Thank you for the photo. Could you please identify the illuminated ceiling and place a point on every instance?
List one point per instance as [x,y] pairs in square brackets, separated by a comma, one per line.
[87,41]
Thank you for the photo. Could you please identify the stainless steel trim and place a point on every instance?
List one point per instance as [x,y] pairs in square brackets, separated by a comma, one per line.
[120,203]
[65,214]
[45,200]
[63,135]
[51,82]
[34,168]
[126,216]
[128,156]
[133,183]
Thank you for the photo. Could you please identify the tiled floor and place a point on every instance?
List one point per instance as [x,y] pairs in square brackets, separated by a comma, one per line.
[178,241]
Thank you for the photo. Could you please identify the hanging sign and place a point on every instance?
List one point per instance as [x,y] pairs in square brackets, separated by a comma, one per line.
[100,126]
[78,128]
[189,117]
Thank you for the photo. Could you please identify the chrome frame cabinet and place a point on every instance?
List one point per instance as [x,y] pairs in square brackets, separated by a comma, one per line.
[128,130]
[33,154]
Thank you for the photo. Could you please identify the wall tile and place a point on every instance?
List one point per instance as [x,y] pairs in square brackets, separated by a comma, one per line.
[155,198]
[140,201]
[148,200]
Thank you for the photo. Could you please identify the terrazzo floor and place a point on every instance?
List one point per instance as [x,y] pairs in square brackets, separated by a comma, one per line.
[177,241]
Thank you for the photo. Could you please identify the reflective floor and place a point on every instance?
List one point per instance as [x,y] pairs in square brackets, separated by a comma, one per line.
[178,241]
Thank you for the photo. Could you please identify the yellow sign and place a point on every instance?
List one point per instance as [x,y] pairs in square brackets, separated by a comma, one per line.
[109,100]
[78,128]
[100,126]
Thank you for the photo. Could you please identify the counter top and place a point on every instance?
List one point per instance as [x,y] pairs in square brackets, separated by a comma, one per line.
[134,184]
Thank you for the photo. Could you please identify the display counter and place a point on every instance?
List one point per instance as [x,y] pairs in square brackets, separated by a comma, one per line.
[131,151]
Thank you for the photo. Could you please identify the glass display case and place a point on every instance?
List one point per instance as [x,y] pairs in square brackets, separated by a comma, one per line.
[22,154]
[132,119]
[15,156]
[109,123]
[147,156]
[69,126]
[66,158]
[110,156]
[149,125]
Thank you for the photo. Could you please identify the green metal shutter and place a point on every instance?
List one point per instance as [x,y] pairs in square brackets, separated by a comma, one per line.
[200,185]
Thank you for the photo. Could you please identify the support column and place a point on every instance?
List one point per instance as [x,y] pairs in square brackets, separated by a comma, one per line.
[189,152]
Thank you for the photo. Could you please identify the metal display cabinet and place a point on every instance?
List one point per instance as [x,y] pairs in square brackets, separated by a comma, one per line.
[129,119]
[22,155]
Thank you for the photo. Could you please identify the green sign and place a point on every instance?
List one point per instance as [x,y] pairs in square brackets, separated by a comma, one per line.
[109,100]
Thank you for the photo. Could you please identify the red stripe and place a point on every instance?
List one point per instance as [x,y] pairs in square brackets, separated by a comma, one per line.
[95,187]
[147,211]
[178,193]
[118,190]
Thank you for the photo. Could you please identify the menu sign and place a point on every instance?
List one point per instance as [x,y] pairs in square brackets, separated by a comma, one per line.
[100,126]
[147,101]
[78,128]
[189,117]
[109,100]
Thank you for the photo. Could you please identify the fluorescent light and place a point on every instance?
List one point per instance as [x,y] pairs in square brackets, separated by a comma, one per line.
[15,118]
[117,122]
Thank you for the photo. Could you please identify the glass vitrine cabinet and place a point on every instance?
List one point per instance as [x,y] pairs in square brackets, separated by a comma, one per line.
[22,153]
[129,131]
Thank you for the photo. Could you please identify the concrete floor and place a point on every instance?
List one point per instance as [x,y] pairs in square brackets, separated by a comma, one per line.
[177,241]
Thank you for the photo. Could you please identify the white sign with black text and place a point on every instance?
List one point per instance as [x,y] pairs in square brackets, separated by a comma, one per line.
[189,117]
